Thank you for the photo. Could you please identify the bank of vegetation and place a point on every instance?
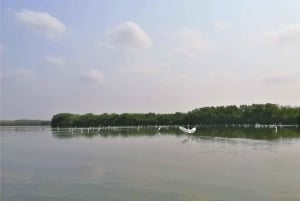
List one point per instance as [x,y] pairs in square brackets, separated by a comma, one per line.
[24,122]
[220,115]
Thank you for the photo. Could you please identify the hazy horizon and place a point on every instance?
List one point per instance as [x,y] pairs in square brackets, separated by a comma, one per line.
[132,112]
[146,56]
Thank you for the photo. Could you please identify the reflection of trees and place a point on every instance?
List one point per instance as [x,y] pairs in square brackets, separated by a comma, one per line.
[251,133]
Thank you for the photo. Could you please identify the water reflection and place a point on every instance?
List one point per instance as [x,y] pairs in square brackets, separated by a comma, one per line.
[218,164]
[202,133]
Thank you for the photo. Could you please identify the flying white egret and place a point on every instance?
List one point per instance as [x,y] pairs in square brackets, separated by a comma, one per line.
[187,131]
[158,133]
[99,128]
[274,126]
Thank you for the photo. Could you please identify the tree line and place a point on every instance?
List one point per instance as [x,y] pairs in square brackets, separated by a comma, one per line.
[220,115]
[24,122]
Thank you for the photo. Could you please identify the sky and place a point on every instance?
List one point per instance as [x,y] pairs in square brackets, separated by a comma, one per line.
[146,56]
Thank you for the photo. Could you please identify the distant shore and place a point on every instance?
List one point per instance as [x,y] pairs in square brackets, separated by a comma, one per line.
[25,122]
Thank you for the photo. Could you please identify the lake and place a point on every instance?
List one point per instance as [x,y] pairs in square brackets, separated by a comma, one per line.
[38,164]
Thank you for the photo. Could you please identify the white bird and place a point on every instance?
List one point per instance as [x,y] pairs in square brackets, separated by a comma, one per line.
[187,131]
[274,126]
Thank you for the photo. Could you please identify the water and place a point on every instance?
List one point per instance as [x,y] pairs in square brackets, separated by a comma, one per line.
[215,164]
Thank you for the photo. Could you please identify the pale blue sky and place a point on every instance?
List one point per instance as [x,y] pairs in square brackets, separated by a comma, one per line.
[146,56]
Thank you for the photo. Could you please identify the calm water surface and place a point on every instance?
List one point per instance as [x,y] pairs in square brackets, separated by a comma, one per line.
[215,164]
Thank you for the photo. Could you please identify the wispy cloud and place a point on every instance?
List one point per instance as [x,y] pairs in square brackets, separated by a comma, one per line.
[129,34]
[221,25]
[105,45]
[286,36]
[42,23]
[19,76]
[282,78]
[57,61]
[190,43]
[92,76]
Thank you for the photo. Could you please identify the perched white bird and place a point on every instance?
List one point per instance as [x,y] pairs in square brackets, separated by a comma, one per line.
[187,131]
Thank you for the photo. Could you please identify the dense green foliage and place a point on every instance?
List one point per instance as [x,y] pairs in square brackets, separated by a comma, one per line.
[221,115]
[24,122]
